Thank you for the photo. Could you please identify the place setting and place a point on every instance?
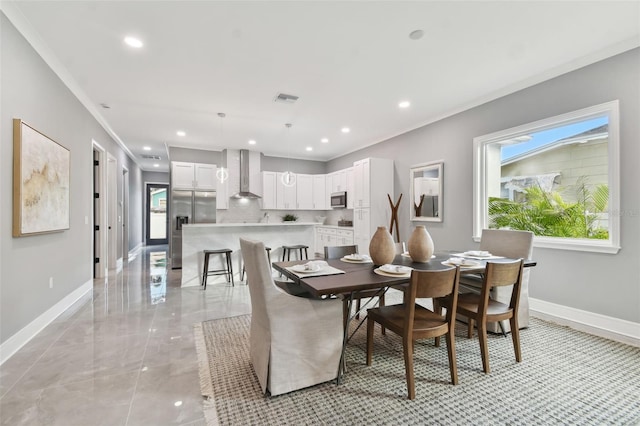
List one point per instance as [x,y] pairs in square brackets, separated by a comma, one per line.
[461,262]
[390,270]
[314,268]
[356,258]
[478,254]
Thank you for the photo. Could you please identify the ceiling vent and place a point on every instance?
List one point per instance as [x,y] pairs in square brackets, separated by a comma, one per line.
[285,99]
[151,157]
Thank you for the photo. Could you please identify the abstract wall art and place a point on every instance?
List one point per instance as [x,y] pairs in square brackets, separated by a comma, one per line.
[40,182]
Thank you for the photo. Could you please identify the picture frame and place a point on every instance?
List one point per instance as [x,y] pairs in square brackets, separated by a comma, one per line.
[41,169]
[427,191]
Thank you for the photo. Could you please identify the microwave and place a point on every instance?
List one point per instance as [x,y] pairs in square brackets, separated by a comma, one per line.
[339,200]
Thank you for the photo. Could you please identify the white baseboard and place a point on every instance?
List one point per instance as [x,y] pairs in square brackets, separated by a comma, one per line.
[119,264]
[22,337]
[599,325]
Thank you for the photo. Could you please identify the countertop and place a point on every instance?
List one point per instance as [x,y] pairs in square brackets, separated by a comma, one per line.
[254,224]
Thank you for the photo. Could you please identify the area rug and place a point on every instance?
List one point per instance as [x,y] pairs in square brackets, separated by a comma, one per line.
[566,377]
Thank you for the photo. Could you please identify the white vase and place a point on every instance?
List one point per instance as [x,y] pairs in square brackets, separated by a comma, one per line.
[381,247]
[420,245]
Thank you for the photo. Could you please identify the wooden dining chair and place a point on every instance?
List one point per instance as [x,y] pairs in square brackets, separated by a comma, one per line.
[482,309]
[338,252]
[412,321]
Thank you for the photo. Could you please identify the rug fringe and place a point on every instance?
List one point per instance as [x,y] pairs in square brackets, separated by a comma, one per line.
[206,385]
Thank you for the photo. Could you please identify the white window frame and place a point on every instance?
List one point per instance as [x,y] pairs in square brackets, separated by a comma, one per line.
[480,170]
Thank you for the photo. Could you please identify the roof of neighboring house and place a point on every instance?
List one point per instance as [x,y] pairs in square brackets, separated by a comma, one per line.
[596,133]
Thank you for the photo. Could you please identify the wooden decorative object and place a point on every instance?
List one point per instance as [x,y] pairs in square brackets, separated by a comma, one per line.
[420,245]
[418,207]
[394,216]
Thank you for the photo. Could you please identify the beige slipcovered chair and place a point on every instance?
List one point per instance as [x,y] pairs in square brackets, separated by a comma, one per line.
[512,244]
[295,342]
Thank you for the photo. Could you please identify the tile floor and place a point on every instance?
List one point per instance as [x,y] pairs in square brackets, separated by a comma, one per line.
[122,357]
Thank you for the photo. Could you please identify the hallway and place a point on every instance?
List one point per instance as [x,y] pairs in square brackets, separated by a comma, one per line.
[124,357]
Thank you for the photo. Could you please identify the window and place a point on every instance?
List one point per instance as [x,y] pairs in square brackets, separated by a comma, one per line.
[558,178]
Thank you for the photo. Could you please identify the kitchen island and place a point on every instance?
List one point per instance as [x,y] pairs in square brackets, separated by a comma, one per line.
[209,236]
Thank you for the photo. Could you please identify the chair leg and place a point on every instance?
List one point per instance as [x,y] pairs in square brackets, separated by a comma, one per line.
[484,348]
[230,265]
[407,344]
[370,324]
[438,310]
[358,309]
[345,313]
[381,303]
[205,271]
[515,336]
[470,328]
[451,351]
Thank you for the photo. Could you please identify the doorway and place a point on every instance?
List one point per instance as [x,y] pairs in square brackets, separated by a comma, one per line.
[99,211]
[157,218]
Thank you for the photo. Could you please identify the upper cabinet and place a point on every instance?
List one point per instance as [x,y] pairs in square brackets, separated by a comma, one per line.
[304,192]
[362,183]
[269,190]
[193,176]
[285,195]
[320,197]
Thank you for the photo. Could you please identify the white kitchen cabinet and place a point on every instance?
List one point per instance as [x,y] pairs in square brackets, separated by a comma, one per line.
[320,197]
[373,180]
[362,229]
[350,187]
[331,236]
[193,176]
[361,183]
[304,192]
[285,195]
[269,190]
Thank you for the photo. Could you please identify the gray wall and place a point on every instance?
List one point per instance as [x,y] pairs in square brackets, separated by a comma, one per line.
[281,164]
[32,92]
[195,155]
[601,283]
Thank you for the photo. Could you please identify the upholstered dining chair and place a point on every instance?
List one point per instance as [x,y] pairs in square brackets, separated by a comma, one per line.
[482,309]
[412,321]
[295,342]
[338,252]
[512,244]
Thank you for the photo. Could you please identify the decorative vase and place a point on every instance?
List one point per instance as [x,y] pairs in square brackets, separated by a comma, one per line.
[420,245]
[381,248]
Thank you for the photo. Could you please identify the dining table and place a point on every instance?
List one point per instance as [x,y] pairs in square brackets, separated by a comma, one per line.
[346,277]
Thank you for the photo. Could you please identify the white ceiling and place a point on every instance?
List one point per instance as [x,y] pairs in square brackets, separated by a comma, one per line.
[350,62]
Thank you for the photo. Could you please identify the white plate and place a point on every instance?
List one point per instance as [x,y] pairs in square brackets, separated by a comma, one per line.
[477,253]
[408,256]
[357,257]
[395,269]
[306,268]
[463,263]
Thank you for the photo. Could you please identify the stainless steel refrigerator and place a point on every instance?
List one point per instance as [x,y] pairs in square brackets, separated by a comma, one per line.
[188,207]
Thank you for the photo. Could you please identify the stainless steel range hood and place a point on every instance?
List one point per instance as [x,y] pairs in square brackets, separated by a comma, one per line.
[244,177]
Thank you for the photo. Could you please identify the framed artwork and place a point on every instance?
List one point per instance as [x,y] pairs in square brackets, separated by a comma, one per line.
[41,169]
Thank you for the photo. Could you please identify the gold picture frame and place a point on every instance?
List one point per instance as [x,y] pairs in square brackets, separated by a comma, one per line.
[41,168]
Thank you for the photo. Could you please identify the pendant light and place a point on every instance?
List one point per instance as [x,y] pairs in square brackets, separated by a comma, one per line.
[222,174]
[288,178]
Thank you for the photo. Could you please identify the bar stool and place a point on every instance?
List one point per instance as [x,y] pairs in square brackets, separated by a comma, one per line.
[228,270]
[286,251]
[268,249]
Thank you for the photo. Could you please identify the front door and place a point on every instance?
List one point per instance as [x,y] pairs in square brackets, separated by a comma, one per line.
[157,231]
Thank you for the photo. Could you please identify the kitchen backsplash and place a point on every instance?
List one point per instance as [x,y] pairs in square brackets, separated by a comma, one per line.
[249,211]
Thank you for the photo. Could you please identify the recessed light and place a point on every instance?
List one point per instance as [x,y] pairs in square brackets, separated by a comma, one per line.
[404,104]
[133,42]
[345,130]
[324,140]
[146,148]
[156,165]
[181,133]
[252,142]
[416,35]
[177,403]
[309,148]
